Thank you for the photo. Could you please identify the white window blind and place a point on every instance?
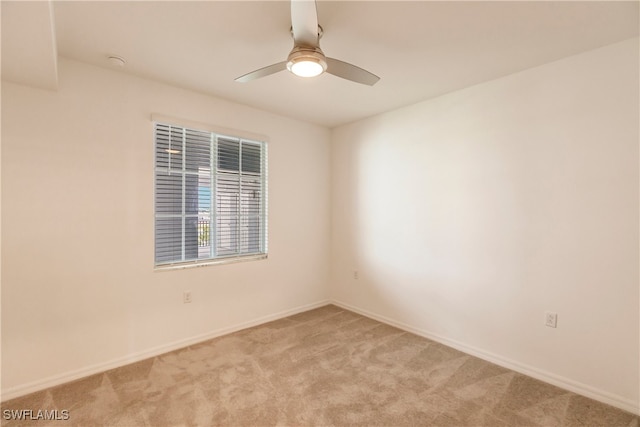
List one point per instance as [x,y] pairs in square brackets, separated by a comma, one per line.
[210,196]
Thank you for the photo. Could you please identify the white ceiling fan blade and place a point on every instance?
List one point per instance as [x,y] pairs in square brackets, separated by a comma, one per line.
[263,72]
[350,72]
[304,23]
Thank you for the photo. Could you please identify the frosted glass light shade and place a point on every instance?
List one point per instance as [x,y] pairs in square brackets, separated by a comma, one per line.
[307,68]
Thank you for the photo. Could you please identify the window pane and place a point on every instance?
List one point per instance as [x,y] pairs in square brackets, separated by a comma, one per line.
[228,154]
[204,236]
[190,238]
[198,150]
[191,194]
[227,235]
[169,147]
[227,201]
[204,191]
[250,158]
[168,193]
[168,239]
[162,146]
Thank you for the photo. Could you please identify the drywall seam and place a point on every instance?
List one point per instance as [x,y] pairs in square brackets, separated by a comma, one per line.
[557,380]
[65,377]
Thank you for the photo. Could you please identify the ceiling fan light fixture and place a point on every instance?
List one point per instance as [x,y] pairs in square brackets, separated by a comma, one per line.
[306,63]
[306,68]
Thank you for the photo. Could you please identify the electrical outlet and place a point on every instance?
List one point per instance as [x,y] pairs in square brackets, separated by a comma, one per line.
[551,319]
[186,297]
[355,274]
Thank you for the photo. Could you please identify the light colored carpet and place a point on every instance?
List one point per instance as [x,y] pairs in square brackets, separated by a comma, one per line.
[324,367]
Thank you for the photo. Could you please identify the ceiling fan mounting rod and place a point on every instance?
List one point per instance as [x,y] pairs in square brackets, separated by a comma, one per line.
[320,31]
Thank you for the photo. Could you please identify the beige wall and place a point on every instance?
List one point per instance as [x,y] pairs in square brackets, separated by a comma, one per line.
[79,291]
[469,216]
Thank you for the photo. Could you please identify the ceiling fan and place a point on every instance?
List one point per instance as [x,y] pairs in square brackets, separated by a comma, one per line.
[306,59]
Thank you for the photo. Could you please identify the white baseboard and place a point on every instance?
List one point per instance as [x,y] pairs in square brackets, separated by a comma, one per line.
[65,377]
[531,371]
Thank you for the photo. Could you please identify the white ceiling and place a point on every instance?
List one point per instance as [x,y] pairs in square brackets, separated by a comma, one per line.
[420,49]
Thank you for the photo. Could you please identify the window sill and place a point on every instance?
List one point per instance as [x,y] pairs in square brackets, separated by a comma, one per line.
[208,262]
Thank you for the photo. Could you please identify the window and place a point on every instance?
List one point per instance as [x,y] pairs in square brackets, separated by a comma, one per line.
[210,196]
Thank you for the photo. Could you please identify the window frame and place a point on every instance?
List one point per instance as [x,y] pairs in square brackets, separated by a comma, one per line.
[216,133]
